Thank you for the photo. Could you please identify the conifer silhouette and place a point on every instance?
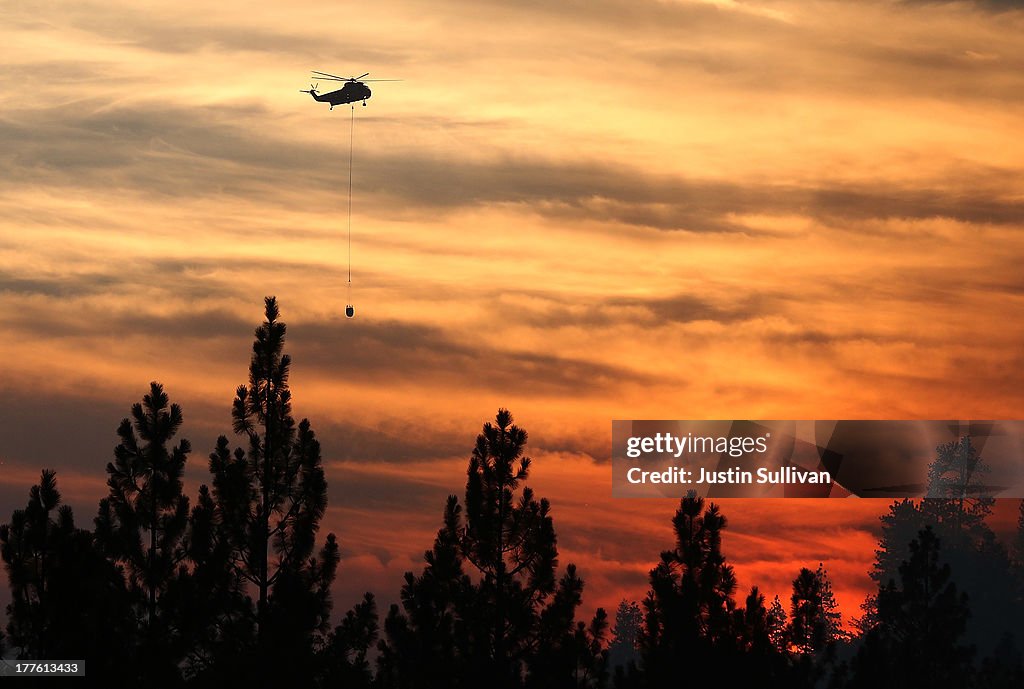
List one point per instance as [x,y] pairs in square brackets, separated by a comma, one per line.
[922,619]
[487,609]
[624,649]
[778,625]
[691,618]
[591,655]
[141,522]
[689,607]
[956,510]
[269,500]
[511,544]
[344,658]
[427,639]
[815,621]
[210,600]
[752,625]
[1018,546]
[67,600]
[956,495]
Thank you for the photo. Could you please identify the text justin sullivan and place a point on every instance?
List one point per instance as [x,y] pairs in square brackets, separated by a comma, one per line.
[730,476]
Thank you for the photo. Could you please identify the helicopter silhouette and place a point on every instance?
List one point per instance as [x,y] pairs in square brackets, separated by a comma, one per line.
[355,89]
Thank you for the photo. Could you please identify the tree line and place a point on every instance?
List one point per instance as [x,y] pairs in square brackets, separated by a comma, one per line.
[233,587]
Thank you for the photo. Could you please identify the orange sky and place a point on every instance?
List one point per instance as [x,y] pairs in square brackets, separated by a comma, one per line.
[578,210]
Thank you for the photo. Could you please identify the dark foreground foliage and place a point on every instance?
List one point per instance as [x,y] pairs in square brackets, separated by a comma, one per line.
[232,589]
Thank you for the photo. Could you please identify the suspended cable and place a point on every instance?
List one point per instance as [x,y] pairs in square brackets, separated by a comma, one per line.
[349,308]
[351,140]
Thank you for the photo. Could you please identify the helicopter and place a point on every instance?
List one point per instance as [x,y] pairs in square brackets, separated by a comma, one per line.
[354,89]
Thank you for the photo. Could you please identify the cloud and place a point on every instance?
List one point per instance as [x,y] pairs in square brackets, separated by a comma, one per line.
[550,310]
[180,32]
[407,353]
[993,5]
[391,442]
[173,152]
[362,351]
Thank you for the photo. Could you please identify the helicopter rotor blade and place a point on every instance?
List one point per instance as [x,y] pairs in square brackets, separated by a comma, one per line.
[326,74]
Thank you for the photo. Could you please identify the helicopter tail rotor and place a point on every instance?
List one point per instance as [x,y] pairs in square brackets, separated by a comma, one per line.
[312,89]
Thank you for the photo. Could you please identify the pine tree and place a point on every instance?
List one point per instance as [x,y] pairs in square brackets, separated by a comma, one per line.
[955,506]
[1019,541]
[922,620]
[67,600]
[956,510]
[624,650]
[142,521]
[209,597]
[752,625]
[269,501]
[511,544]
[832,618]
[487,609]
[692,620]
[427,641]
[899,527]
[344,656]
[689,609]
[778,625]
[591,655]
[815,619]
[759,656]
[555,661]
[27,545]
[956,496]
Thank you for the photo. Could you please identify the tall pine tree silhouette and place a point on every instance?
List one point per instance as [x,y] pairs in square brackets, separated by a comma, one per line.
[956,509]
[487,609]
[918,640]
[141,522]
[689,606]
[691,617]
[427,642]
[270,498]
[512,544]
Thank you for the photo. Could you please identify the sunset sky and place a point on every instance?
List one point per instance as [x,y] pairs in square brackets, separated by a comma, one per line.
[581,211]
